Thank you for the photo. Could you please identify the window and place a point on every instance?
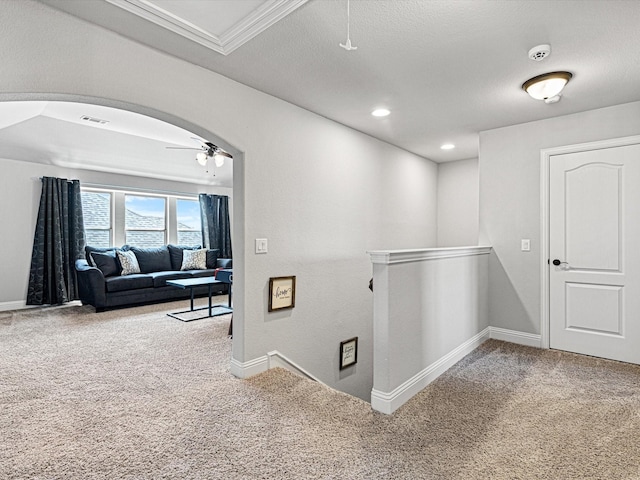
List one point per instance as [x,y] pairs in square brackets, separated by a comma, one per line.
[189,223]
[145,221]
[96,208]
[117,217]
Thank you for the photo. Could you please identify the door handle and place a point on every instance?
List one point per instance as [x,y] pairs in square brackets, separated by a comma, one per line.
[562,265]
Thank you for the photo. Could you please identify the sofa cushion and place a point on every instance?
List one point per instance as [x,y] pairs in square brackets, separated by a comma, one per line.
[128,282]
[89,251]
[194,259]
[202,273]
[153,259]
[175,254]
[160,278]
[128,262]
[106,262]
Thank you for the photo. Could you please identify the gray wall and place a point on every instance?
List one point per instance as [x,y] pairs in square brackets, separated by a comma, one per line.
[509,167]
[322,194]
[458,203]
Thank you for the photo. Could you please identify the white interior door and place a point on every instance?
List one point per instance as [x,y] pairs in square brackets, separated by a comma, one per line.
[594,237]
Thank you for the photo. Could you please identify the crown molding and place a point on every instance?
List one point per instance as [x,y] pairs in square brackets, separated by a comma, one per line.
[244,30]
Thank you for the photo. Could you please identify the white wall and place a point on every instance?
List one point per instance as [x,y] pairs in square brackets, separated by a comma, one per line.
[458,203]
[20,190]
[322,194]
[509,167]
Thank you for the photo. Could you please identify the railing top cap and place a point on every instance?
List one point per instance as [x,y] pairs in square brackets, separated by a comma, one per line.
[419,254]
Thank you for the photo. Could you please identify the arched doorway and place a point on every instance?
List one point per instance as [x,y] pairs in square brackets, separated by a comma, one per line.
[72,162]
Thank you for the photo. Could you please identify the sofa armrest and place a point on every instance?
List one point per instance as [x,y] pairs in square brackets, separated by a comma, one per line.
[91,284]
[224,263]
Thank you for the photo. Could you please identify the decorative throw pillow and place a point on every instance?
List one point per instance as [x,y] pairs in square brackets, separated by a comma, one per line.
[175,253]
[194,259]
[89,251]
[106,262]
[212,258]
[129,262]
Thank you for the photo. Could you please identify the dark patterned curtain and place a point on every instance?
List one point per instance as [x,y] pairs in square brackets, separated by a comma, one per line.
[216,228]
[58,241]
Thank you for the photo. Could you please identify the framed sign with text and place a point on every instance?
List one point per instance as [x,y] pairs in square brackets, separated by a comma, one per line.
[282,293]
[348,352]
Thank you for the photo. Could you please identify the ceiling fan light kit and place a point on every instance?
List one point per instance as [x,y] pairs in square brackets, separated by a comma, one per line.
[208,150]
[548,86]
[201,157]
[218,159]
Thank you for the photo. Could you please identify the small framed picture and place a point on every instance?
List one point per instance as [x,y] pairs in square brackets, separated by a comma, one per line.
[348,352]
[282,293]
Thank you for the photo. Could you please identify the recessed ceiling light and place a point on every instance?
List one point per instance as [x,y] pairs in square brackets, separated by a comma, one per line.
[447,146]
[380,112]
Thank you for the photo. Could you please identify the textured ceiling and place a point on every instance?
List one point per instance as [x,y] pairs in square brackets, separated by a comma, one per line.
[446,69]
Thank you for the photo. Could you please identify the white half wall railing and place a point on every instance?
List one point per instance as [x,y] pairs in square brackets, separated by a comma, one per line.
[430,309]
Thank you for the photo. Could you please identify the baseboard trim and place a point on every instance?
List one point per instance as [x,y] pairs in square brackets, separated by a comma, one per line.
[22,305]
[513,336]
[250,368]
[16,305]
[389,402]
[276,359]
[272,359]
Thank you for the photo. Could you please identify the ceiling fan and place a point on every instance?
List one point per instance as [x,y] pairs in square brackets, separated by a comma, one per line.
[207,150]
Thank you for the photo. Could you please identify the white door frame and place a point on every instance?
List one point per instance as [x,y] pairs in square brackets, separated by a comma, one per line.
[545,158]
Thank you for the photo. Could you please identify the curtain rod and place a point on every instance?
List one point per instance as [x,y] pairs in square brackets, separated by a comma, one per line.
[39,179]
[135,189]
[138,189]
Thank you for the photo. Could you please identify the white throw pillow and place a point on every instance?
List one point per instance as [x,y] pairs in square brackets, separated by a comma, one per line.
[194,259]
[128,262]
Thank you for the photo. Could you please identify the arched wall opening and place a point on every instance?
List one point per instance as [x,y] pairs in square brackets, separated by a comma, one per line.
[238,184]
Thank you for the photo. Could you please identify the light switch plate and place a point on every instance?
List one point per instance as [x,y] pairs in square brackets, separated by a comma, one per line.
[261,245]
[525,245]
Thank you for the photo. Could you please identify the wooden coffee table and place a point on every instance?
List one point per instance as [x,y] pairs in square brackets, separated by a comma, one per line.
[191,283]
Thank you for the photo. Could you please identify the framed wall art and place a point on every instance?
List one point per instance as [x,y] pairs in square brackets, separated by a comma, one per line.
[348,352]
[282,293]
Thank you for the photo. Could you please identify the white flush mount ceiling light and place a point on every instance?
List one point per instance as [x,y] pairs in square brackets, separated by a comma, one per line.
[448,146]
[548,86]
[380,112]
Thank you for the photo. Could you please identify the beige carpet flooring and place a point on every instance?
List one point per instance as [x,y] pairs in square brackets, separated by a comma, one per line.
[134,394]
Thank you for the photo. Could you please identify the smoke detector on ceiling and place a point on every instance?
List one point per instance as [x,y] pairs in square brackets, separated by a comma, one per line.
[540,52]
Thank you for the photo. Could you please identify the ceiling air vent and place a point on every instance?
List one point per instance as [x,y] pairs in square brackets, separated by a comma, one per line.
[89,119]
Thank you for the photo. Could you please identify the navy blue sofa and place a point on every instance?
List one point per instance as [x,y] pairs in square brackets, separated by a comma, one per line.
[101,284]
